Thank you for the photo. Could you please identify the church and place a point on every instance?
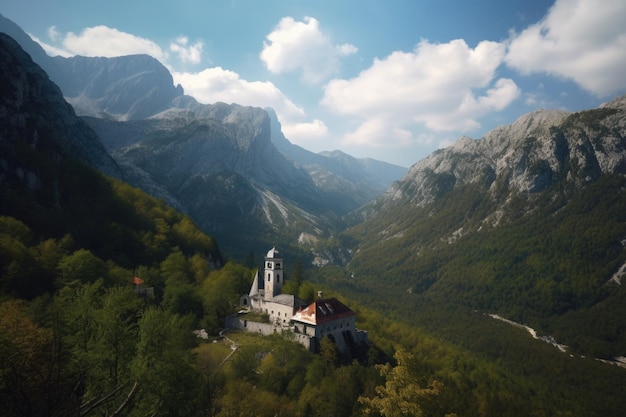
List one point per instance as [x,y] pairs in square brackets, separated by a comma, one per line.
[307,324]
[266,292]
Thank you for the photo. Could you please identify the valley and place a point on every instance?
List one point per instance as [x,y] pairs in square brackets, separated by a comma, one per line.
[441,262]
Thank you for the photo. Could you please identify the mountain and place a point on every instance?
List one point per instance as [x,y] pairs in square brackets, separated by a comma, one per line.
[221,169]
[351,182]
[53,191]
[121,88]
[36,117]
[535,152]
[80,254]
[528,222]
[219,163]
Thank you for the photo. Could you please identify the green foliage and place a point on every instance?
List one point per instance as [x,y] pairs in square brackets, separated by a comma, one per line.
[164,366]
[403,393]
[85,343]
[537,268]
[32,381]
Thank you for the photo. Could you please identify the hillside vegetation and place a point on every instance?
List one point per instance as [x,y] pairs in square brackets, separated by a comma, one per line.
[102,287]
[546,258]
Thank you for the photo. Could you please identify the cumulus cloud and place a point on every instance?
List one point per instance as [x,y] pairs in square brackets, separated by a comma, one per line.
[51,49]
[217,84]
[581,40]
[305,131]
[446,87]
[110,42]
[53,33]
[187,53]
[301,46]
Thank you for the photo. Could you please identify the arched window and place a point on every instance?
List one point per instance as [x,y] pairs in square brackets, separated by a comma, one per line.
[268,277]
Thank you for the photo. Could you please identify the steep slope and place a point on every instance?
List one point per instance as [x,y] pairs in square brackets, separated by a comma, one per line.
[221,166]
[223,170]
[53,192]
[122,88]
[349,182]
[35,116]
[528,222]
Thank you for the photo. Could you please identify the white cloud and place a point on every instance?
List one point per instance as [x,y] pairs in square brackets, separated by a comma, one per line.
[216,84]
[301,46]
[50,49]
[581,40]
[110,42]
[440,86]
[53,33]
[306,131]
[187,53]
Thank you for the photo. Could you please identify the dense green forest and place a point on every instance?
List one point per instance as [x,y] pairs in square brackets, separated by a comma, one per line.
[79,337]
[99,299]
[549,267]
[102,288]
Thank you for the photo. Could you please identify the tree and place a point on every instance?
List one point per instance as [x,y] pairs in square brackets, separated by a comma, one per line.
[81,266]
[32,378]
[402,394]
[169,383]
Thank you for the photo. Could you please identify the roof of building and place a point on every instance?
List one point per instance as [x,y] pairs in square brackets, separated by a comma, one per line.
[288,300]
[255,288]
[323,311]
[273,253]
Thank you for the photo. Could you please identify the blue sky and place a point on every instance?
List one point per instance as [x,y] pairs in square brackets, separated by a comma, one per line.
[392,80]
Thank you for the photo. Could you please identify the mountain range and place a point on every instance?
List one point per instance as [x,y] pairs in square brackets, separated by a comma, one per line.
[528,222]
[228,166]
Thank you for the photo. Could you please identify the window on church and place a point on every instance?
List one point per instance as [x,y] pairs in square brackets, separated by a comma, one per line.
[278,278]
[268,277]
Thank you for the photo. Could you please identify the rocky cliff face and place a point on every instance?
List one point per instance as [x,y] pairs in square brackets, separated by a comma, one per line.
[123,88]
[537,151]
[35,116]
[218,164]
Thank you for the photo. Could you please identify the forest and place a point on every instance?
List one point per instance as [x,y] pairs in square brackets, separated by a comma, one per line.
[100,297]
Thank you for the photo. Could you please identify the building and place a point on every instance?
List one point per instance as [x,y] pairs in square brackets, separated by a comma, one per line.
[308,324]
[327,317]
[266,295]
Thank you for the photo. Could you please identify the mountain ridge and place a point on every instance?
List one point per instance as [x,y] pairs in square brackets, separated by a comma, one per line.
[527,222]
[135,97]
[529,153]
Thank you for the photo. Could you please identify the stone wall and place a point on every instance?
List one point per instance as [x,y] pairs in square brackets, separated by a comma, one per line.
[266,329]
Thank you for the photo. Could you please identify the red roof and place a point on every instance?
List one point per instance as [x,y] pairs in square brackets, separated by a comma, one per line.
[323,311]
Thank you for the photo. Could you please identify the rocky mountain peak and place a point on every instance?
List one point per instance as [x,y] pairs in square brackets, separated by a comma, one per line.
[528,156]
[123,88]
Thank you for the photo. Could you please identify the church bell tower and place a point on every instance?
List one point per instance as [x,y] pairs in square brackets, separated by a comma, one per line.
[273,275]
